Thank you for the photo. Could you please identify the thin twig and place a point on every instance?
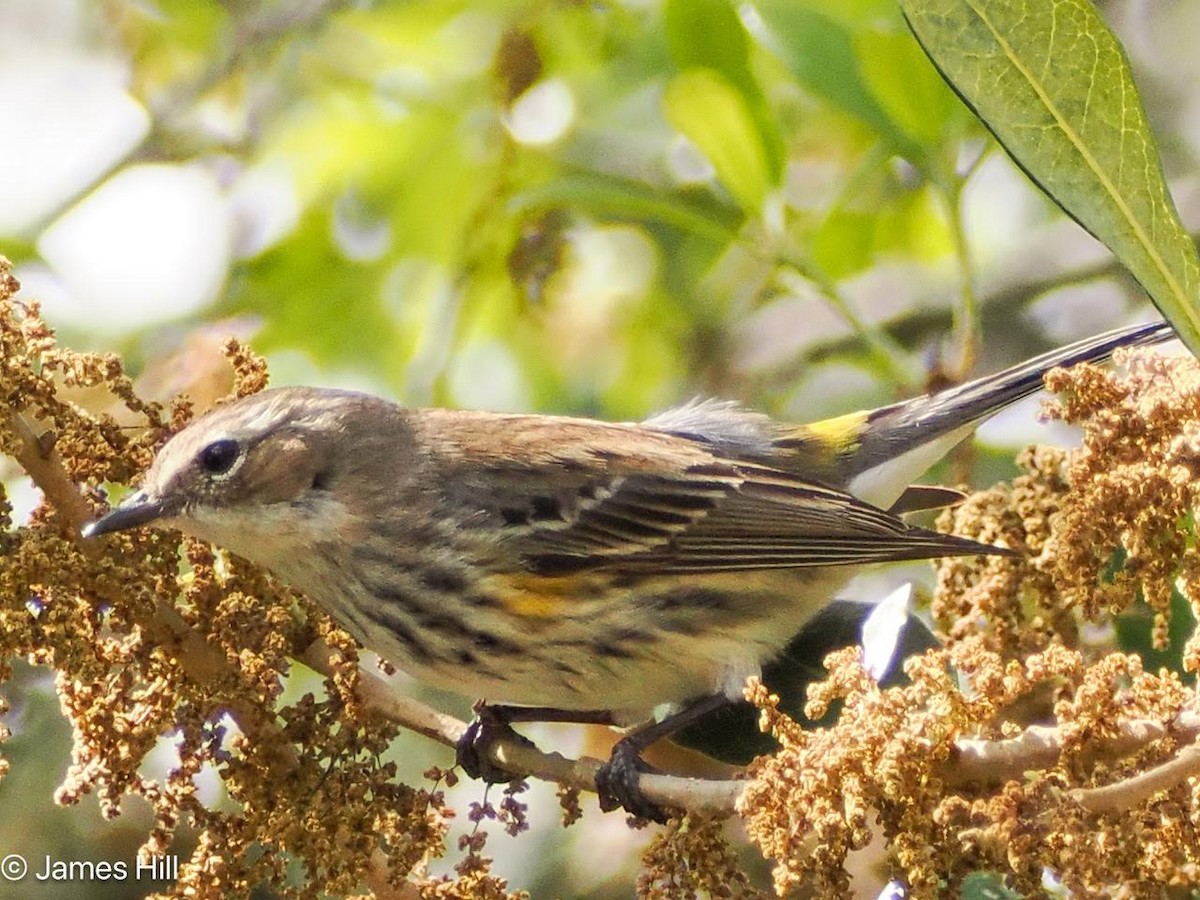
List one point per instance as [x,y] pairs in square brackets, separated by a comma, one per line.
[376,694]
[260,32]
[36,455]
[1122,795]
[1004,301]
[200,660]
[974,761]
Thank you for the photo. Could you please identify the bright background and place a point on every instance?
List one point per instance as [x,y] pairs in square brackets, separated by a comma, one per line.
[529,205]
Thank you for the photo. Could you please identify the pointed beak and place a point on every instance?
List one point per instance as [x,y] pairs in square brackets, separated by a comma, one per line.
[137,509]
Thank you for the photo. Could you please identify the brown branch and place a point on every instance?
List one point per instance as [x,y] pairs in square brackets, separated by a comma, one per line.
[974,761]
[36,455]
[1040,746]
[376,694]
[199,659]
[1122,795]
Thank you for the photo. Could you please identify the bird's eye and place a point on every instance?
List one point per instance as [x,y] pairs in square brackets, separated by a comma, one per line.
[219,456]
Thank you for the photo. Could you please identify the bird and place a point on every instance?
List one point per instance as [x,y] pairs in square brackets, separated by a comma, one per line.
[570,569]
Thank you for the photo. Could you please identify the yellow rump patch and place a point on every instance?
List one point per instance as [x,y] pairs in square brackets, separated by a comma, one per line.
[840,433]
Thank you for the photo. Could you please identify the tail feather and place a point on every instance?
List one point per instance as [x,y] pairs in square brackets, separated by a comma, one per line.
[921,430]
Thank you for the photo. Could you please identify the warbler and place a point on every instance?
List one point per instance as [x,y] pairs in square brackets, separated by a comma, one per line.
[593,569]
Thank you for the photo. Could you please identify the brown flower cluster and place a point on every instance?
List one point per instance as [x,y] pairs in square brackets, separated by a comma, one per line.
[1023,748]
[151,637]
[1098,528]
[1026,745]
[889,768]
[691,858]
[1134,486]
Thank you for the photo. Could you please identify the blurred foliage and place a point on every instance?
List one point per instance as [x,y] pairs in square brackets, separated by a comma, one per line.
[613,204]
[600,207]
[1051,82]
[598,197]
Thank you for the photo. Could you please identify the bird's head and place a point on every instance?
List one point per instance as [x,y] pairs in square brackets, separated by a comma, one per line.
[257,474]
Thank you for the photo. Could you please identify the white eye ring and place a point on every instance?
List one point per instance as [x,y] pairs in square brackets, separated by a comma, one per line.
[219,459]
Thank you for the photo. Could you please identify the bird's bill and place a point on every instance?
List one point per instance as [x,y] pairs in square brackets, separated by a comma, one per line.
[137,509]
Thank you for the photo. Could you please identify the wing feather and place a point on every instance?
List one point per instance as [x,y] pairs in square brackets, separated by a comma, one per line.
[753,518]
[571,495]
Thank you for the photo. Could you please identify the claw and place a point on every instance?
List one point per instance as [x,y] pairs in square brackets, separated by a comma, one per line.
[618,784]
[473,751]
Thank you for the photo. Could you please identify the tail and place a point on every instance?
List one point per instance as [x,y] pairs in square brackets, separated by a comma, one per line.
[897,443]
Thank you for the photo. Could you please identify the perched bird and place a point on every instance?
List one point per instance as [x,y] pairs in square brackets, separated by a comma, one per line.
[587,570]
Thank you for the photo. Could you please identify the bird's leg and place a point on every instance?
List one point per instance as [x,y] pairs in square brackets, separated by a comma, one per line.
[617,781]
[494,722]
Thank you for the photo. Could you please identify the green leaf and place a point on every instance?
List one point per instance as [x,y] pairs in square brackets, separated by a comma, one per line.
[707,34]
[820,52]
[986,886]
[906,85]
[715,116]
[1051,82]
[911,224]
[621,199]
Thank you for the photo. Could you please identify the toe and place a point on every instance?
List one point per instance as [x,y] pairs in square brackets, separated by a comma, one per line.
[473,751]
[618,783]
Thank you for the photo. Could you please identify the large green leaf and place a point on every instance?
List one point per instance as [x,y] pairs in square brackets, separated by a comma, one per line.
[715,116]
[820,52]
[710,46]
[1052,83]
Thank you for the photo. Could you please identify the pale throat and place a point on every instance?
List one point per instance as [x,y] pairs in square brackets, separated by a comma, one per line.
[280,537]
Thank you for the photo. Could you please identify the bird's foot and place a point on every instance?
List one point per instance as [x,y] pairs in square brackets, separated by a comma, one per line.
[618,782]
[473,753]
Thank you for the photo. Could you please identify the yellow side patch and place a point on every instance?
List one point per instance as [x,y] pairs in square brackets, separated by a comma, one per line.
[538,597]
